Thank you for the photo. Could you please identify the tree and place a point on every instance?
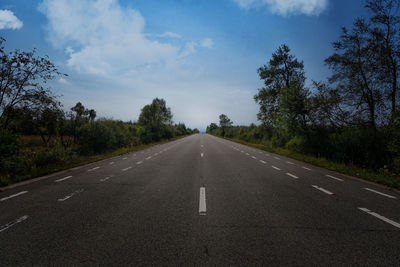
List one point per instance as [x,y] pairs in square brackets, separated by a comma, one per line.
[385,39]
[212,127]
[355,74]
[22,80]
[155,117]
[224,122]
[79,116]
[284,99]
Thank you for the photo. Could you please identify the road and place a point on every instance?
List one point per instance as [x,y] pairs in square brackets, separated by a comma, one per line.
[201,201]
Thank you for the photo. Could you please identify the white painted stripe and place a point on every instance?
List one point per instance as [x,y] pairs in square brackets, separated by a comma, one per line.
[202,154]
[380,193]
[276,168]
[149,157]
[242,151]
[292,175]
[15,195]
[156,154]
[139,162]
[124,158]
[253,157]
[276,158]
[92,169]
[268,155]
[290,162]
[202,203]
[8,225]
[126,169]
[71,195]
[105,179]
[247,154]
[333,177]
[263,162]
[62,179]
[308,169]
[322,190]
[202,146]
[395,224]
[112,162]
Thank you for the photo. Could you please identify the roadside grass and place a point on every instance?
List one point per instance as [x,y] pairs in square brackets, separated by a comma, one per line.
[383,176]
[76,162]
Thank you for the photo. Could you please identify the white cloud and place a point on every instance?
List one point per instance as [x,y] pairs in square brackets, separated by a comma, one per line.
[167,35]
[103,38]
[207,42]
[9,21]
[286,7]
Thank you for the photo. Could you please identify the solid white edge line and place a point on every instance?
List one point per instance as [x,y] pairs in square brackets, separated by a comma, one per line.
[333,177]
[202,202]
[292,175]
[62,179]
[276,168]
[380,193]
[395,224]
[15,195]
[322,190]
[8,225]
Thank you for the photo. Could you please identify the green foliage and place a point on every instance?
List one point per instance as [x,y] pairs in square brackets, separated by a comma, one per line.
[95,137]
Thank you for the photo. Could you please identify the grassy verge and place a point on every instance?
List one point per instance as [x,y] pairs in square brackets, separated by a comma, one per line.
[79,161]
[383,177]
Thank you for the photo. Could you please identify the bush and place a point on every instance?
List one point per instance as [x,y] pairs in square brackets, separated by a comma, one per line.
[296,144]
[95,137]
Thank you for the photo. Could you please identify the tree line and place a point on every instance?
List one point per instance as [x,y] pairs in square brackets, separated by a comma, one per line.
[354,116]
[29,111]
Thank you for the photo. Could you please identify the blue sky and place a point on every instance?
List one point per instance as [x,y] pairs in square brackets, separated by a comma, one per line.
[200,56]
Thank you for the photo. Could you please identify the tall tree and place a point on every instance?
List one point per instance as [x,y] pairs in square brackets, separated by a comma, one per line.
[23,77]
[385,39]
[355,74]
[155,117]
[283,100]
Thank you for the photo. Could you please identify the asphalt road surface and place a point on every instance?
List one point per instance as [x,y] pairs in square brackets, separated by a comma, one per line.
[201,201]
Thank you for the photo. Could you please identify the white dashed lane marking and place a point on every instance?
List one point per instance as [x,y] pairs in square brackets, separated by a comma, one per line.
[71,195]
[395,224]
[124,170]
[202,202]
[8,225]
[92,169]
[263,162]
[308,169]
[380,193]
[322,190]
[62,179]
[292,175]
[139,162]
[335,178]
[276,168]
[276,158]
[15,195]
